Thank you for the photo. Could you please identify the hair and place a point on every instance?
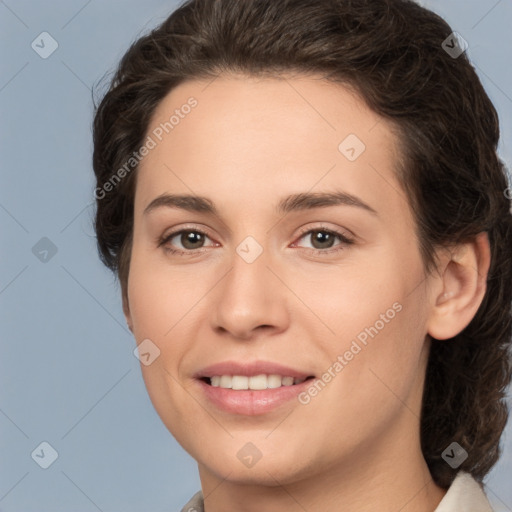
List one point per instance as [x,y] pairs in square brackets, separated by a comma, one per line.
[391,53]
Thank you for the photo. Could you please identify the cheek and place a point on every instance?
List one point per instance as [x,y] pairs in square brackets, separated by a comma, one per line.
[377,321]
[375,382]
[350,299]
[160,312]
[159,296]
[389,367]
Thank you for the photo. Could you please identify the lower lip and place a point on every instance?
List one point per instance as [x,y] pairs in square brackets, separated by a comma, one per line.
[252,402]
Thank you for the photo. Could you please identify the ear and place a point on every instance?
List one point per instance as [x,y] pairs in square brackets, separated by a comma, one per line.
[460,289]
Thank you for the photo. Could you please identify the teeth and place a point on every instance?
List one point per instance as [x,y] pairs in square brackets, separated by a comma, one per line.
[274,381]
[225,381]
[240,382]
[256,382]
[287,381]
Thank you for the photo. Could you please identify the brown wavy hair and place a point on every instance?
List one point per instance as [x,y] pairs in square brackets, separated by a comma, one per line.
[391,53]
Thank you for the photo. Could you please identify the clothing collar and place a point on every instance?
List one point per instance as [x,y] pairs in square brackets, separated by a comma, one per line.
[466,494]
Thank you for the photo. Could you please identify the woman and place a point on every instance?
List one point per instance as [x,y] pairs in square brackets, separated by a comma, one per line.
[311,228]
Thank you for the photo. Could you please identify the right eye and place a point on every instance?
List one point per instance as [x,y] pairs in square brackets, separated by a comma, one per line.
[188,238]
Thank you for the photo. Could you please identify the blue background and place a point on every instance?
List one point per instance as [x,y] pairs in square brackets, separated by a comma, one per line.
[67,372]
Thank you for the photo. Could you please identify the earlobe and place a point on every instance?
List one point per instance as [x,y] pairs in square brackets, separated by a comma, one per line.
[463,286]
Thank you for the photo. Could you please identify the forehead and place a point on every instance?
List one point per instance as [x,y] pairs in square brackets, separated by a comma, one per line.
[260,136]
[267,105]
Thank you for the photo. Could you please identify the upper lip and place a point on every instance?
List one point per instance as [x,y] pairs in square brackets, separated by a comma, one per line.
[250,369]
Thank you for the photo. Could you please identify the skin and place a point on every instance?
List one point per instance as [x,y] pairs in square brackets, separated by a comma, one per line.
[248,143]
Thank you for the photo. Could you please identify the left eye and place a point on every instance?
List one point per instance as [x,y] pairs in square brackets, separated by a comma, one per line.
[324,238]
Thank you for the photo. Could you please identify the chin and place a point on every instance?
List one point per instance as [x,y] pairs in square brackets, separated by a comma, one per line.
[238,461]
[271,474]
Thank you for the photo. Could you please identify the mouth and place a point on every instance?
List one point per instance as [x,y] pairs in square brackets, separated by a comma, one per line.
[251,388]
[254,382]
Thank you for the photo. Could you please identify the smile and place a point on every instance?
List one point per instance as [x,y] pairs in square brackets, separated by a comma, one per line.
[256,382]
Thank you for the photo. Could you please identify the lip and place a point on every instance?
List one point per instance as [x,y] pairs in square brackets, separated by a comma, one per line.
[249,369]
[251,402]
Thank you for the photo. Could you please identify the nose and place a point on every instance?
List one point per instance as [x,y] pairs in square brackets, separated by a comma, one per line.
[250,299]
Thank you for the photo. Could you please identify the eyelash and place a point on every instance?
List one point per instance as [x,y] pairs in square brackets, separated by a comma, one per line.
[345,241]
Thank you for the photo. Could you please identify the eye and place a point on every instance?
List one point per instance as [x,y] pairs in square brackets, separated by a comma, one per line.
[323,239]
[190,239]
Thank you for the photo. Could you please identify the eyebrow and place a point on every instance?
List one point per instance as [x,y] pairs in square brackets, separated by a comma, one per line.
[292,203]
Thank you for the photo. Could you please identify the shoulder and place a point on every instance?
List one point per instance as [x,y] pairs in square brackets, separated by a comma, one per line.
[195,504]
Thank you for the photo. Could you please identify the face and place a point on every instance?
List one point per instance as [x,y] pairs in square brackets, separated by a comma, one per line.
[299,261]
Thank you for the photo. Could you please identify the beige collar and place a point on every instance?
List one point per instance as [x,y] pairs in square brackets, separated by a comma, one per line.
[465,494]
